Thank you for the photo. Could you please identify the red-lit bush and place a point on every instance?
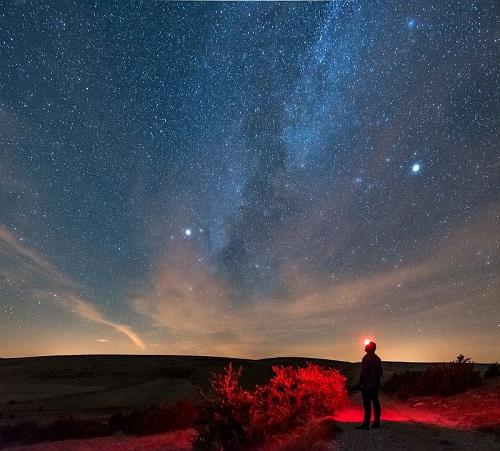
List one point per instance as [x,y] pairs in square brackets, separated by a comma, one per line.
[294,396]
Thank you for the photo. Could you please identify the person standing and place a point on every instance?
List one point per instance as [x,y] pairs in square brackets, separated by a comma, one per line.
[369,383]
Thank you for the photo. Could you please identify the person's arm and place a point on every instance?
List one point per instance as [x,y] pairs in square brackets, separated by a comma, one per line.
[361,378]
[363,372]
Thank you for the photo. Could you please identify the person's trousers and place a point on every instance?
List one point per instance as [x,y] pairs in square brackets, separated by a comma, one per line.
[370,396]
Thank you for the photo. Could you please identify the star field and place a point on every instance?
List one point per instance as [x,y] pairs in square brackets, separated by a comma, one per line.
[250,179]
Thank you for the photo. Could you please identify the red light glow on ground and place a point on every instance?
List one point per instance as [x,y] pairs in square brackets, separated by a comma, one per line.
[474,409]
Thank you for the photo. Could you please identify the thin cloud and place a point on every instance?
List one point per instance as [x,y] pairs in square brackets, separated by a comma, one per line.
[15,246]
[64,286]
[85,310]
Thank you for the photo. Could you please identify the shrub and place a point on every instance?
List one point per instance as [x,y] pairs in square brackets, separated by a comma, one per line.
[492,371]
[442,379]
[448,378]
[402,384]
[235,417]
[25,432]
[151,420]
[154,419]
[64,428]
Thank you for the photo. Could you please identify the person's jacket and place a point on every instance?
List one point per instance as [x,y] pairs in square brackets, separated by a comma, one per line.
[371,371]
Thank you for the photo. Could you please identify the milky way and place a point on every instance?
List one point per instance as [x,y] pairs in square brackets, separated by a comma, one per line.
[250,179]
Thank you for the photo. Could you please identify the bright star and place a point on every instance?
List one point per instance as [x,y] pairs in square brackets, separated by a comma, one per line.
[187,232]
[416,168]
[411,23]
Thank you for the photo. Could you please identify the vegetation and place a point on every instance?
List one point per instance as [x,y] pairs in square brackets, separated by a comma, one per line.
[154,419]
[492,371]
[402,384]
[443,379]
[150,420]
[28,432]
[236,418]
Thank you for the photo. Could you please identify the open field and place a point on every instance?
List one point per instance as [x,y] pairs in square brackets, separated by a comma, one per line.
[43,388]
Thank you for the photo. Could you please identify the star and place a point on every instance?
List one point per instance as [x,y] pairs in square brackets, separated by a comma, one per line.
[188,232]
[416,167]
[411,23]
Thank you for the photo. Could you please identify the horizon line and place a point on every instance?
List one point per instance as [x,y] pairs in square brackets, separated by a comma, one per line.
[223,357]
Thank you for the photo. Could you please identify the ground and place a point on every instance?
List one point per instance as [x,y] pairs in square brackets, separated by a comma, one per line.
[426,423]
[94,386]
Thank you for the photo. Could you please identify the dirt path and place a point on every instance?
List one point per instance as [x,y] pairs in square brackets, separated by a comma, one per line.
[406,428]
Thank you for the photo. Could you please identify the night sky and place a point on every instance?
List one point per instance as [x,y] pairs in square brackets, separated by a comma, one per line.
[250,179]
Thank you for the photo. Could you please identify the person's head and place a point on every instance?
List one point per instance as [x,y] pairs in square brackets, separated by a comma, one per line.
[370,347]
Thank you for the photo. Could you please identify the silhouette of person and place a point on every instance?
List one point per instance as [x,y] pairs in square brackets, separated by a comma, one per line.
[369,383]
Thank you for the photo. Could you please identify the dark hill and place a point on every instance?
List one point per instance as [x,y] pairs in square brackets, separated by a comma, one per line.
[43,388]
